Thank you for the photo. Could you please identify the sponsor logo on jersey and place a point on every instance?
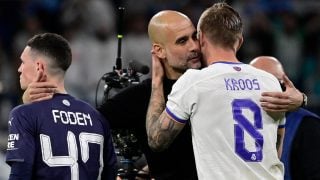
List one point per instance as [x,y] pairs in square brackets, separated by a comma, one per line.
[237,68]
[10,122]
[66,102]
[12,138]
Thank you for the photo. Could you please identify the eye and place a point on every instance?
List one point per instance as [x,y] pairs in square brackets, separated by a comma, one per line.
[182,40]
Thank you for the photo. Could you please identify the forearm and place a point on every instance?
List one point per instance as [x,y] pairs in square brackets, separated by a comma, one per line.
[280,137]
[155,108]
[161,128]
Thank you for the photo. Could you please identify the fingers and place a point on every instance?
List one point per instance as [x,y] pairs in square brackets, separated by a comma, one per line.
[42,85]
[155,61]
[274,108]
[156,65]
[37,91]
[275,100]
[157,71]
[41,96]
[41,90]
[279,95]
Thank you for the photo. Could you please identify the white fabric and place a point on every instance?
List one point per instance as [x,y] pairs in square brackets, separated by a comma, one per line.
[205,97]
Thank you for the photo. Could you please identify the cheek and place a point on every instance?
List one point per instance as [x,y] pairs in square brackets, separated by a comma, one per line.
[177,62]
[177,58]
[28,73]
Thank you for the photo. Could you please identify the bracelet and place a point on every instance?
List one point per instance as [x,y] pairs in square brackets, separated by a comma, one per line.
[304,100]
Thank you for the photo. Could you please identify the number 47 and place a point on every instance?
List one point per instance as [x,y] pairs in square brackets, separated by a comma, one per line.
[72,158]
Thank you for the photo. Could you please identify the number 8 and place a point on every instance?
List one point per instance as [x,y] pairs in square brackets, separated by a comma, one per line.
[244,125]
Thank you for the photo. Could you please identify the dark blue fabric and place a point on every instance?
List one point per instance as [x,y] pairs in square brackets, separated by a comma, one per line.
[293,120]
[62,122]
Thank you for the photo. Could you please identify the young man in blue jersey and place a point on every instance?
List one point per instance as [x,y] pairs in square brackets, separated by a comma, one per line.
[233,138]
[301,146]
[60,138]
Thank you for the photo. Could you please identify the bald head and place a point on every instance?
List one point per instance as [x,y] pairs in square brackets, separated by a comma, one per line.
[162,22]
[269,64]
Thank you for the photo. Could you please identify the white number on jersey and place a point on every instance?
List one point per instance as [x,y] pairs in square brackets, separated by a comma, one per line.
[72,158]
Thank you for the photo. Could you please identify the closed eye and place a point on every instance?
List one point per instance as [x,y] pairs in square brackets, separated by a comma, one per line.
[182,40]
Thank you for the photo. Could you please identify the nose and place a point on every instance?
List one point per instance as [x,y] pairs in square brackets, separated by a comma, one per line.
[195,46]
[20,68]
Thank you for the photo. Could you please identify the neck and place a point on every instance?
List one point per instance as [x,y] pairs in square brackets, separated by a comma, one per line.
[59,82]
[171,73]
[217,54]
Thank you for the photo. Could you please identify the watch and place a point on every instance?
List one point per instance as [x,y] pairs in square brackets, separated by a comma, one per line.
[304,100]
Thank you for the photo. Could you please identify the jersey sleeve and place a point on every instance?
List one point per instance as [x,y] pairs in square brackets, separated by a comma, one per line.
[181,99]
[21,142]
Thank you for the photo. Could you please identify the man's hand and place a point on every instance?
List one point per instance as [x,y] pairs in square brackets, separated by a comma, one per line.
[289,100]
[157,69]
[39,89]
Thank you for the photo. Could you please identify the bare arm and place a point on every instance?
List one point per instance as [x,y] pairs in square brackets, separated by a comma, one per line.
[161,129]
[280,137]
[289,100]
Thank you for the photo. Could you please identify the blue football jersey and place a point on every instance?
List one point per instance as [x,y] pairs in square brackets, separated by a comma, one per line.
[62,138]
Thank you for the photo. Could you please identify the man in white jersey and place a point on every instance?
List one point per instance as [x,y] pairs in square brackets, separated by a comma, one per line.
[233,138]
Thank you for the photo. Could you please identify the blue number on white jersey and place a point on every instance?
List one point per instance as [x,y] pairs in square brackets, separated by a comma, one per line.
[243,124]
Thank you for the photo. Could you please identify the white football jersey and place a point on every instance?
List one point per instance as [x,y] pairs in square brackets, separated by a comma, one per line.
[233,137]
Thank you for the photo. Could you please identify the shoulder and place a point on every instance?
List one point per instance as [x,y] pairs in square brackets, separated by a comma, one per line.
[311,120]
[22,116]
[262,73]
[190,76]
[24,109]
[270,82]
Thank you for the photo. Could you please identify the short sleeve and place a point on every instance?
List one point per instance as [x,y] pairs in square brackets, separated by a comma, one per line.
[21,142]
[182,98]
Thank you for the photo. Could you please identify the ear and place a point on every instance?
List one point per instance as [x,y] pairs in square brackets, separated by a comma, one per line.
[240,42]
[40,66]
[158,50]
[41,76]
[201,38]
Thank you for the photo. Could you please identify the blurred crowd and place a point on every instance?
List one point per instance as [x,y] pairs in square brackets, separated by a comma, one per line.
[287,29]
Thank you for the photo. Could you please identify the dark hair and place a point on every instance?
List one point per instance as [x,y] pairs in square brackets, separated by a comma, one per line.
[53,46]
[221,24]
